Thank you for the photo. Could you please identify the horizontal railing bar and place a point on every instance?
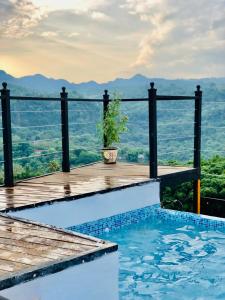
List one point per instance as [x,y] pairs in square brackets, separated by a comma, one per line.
[54,99]
[82,110]
[158,97]
[162,97]
[177,124]
[87,149]
[177,138]
[36,141]
[35,111]
[215,102]
[162,124]
[73,99]
[168,117]
[212,127]
[175,152]
[101,100]
[36,126]
[34,98]
[76,136]
[132,99]
[174,109]
[214,151]
[166,134]
[84,100]
[82,123]
[33,156]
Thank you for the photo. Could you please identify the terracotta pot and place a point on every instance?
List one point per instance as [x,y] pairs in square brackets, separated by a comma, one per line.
[109,155]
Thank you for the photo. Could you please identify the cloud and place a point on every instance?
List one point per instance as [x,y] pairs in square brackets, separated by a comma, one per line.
[79,6]
[150,11]
[49,34]
[163,38]
[181,32]
[151,42]
[20,17]
[99,16]
[73,34]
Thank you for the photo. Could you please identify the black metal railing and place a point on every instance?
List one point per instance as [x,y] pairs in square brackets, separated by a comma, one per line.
[64,100]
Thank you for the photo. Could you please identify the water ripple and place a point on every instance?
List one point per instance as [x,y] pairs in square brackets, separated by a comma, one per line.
[161,261]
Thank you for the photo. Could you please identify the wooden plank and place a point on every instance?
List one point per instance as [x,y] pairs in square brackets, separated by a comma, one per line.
[25,245]
[24,258]
[45,241]
[41,252]
[50,235]
[9,266]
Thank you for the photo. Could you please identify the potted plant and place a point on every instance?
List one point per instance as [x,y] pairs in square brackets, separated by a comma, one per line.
[111,127]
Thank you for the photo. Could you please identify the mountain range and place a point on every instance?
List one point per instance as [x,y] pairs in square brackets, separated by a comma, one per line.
[135,86]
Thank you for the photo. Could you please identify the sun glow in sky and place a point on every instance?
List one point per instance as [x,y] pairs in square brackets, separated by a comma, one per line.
[83,40]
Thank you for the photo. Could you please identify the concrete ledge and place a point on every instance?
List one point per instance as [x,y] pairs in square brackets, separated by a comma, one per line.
[100,205]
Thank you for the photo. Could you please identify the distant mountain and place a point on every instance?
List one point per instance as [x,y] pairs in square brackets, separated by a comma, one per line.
[135,86]
[5,77]
[36,82]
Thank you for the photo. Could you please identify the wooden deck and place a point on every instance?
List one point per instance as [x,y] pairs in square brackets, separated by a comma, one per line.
[80,181]
[28,250]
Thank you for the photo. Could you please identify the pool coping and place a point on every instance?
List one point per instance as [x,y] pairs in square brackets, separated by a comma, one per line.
[77,197]
[116,222]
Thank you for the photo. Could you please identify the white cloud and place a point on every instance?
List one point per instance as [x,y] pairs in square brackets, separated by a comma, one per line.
[99,16]
[73,34]
[49,34]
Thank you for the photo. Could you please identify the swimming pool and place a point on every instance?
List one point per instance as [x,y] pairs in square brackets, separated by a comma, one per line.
[165,261]
[169,257]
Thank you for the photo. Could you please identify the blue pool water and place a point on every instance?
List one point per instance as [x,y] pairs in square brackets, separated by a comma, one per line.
[169,261]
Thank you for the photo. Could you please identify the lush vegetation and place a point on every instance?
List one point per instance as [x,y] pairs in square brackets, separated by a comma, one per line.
[212,185]
[37,134]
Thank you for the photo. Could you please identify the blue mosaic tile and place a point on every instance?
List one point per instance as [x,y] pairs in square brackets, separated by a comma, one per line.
[96,228]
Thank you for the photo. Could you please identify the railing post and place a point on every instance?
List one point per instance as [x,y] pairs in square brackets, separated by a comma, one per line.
[152,110]
[7,136]
[197,148]
[105,109]
[65,131]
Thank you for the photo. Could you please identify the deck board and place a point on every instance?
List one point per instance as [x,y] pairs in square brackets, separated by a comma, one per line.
[80,181]
[28,247]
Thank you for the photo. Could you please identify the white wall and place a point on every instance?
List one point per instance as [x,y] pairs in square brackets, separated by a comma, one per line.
[95,280]
[69,213]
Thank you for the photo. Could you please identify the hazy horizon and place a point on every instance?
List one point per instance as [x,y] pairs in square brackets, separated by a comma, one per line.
[112,79]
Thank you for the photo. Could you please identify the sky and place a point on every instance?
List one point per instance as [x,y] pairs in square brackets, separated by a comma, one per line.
[82,40]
